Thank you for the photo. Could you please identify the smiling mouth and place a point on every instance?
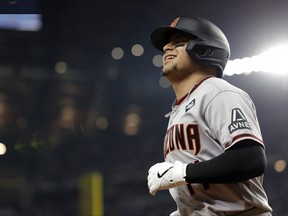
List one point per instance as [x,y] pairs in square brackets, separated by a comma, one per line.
[169,57]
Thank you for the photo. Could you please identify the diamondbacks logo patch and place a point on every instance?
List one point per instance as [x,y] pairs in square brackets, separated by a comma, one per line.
[238,121]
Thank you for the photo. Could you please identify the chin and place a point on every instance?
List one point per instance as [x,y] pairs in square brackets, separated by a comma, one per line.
[164,73]
[167,71]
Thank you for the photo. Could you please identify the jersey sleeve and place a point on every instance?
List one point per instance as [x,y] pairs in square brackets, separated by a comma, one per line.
[231,117]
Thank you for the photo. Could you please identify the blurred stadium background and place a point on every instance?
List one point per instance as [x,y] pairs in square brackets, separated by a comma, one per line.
[82,103]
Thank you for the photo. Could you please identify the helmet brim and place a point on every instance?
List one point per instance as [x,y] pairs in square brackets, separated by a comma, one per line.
[161,36]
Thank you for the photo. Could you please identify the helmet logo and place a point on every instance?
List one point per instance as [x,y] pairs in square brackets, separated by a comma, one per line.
[174,23]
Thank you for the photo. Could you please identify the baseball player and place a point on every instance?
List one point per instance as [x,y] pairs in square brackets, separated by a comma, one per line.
[213,149]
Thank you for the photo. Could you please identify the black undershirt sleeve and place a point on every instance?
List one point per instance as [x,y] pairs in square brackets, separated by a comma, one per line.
[245,160]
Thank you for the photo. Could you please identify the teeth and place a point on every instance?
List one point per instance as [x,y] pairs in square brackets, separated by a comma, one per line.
[169,57]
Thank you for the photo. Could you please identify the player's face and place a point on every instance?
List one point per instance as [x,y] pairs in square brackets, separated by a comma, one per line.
[177,64]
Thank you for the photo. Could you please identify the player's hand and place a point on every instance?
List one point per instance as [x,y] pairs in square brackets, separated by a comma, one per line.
[165,175]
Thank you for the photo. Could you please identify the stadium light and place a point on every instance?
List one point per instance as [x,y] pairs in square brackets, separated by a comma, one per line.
[274,61]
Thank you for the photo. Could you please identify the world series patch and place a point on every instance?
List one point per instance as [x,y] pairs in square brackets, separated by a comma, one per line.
[238,121]
[190,105]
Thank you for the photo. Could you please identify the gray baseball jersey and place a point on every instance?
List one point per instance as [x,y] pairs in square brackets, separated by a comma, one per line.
[212,118]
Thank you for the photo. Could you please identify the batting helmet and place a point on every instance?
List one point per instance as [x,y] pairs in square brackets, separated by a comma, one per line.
[205,36]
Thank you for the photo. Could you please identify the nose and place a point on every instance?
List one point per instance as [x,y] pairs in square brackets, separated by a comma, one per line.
[167,47]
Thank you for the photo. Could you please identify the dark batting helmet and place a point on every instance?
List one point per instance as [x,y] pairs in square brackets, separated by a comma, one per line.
[205,36]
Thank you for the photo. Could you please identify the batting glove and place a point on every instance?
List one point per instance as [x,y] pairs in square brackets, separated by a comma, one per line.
[165,175]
